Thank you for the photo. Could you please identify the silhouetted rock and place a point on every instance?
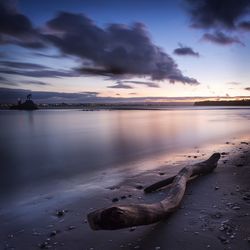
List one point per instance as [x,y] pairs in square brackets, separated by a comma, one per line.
[27,105]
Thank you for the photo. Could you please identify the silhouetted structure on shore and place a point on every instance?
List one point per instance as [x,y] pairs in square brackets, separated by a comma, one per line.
[27,105]
[243,102]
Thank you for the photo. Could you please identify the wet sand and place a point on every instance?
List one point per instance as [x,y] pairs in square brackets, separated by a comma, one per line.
[214,214]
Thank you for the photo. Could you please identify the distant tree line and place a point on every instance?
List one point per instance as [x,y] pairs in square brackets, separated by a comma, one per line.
[244,102]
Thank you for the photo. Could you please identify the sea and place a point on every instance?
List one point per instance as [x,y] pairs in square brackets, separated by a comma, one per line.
[50,148]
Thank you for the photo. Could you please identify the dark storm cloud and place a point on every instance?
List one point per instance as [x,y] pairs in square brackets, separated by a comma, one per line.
[185,51]
[120,85]
[221,38]
[149,84]
[220,16]
[12,22]
[116,51]
[217,13]
[16,28]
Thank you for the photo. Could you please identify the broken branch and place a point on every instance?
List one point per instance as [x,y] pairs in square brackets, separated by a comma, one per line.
[117,217]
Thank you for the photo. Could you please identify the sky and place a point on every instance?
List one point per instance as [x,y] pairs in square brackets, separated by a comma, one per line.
[114,50]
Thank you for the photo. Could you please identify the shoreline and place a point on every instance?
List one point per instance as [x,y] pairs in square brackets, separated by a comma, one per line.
[213,214]
[126,107]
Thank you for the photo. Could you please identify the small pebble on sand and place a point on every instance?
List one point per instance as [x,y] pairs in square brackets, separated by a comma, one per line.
[239,165]
[223,239]
[60,213]
[53,233]
[71,227]
[236,208]
[115,199]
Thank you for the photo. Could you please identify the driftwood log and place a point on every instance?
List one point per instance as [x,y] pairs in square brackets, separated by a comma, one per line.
[207,167]
[117,217]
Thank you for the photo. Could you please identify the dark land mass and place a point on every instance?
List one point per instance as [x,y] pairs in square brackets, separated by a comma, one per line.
[27,105]
[30,105]
[223,103]
[100,106]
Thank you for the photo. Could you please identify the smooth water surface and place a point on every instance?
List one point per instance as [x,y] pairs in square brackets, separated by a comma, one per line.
[47,146]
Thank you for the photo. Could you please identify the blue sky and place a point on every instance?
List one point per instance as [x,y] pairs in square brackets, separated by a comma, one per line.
[218,64]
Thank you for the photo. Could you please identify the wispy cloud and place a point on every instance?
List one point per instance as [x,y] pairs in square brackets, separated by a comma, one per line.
[40,73]
[5,81]
[148,84]
[36,83]
[221,38]
[234,83]
[120,85]
[22,65]
[55,56]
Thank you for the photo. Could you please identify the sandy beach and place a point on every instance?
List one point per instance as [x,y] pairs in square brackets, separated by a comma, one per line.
[214,214]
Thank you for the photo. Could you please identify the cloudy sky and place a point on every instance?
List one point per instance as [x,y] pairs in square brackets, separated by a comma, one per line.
[95,50]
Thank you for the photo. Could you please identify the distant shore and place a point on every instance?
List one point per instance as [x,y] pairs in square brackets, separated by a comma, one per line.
[104,106]
[135,106]
[214,213]
[245,102]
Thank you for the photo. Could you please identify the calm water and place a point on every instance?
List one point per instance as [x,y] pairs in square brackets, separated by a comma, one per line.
[49,146]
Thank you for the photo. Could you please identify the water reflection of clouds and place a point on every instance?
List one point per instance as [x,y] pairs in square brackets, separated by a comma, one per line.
[49,146]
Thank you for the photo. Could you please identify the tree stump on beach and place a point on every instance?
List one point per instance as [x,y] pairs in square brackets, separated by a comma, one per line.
[117,217]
